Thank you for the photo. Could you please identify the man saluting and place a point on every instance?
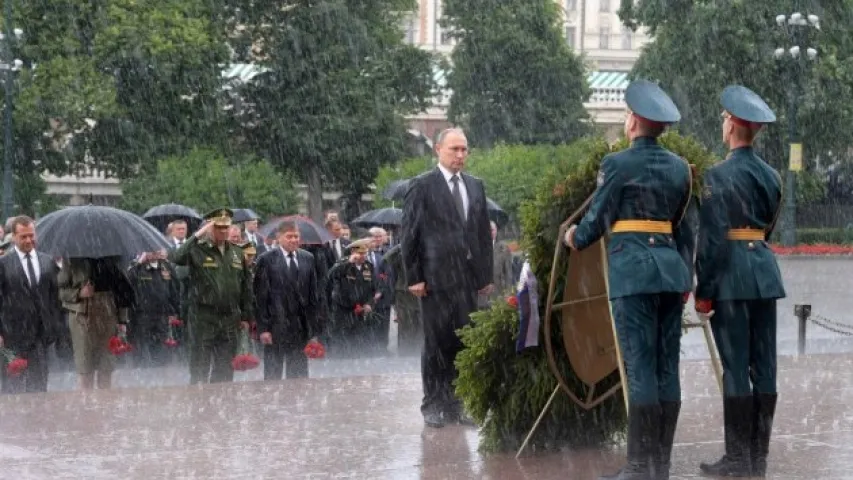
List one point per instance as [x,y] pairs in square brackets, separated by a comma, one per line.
[641,198]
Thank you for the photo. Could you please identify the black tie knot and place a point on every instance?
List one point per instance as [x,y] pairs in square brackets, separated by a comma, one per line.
[290,255]
[454,178]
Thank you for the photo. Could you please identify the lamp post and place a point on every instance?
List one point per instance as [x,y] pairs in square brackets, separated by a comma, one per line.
[797,27]
[10,66]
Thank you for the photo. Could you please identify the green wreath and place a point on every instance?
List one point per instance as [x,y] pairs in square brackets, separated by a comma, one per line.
[505,391]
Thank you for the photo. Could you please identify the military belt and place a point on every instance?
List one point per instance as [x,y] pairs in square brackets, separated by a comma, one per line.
[642,226]
[746,234]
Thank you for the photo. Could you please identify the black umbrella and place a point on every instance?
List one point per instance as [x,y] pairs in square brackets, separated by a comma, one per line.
[382,217]
[310,232]
[162,215]
[244,215]
[496,213]
[97,232]
[396,190]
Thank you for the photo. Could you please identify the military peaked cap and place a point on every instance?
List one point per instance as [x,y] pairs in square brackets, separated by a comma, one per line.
[647,100]
[745,105]
[221,217]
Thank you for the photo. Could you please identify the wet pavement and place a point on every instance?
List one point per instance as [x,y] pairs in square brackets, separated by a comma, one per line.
[360,418]
[369,427]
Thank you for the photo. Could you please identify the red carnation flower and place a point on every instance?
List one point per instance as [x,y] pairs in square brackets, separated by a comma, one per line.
[118,345]
[176,322]
[171,342]
[16,367]
[512,301]
[315,350]
[358,309]
[703,305]
[383,276]
[244,360]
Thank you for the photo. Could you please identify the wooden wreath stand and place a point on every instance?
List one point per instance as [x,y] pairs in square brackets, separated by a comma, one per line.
[589,332]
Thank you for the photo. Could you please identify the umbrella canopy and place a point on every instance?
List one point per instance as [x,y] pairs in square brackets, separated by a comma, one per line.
[383,217]
[97,232]
[496,213]
[244,215]
[162,215]
[310,232]
[396,190]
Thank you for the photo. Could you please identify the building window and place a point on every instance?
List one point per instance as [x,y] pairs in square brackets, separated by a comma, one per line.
[571,5]
[604,37]
[571,33]
[410,30]
[627,35]
[604,5]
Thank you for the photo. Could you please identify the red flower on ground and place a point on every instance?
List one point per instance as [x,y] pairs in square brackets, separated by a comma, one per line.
[315,350]
[176,322]
[16,367]
[170,342]
[816,249]
[358,309]
[512,301]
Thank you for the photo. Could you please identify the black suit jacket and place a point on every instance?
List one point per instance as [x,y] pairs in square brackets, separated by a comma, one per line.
[437,241]
[273,289]
[332,255]
[28,314]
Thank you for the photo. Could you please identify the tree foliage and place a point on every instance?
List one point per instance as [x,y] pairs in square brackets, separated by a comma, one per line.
[112,84]
[700,47]
[339,79]
[204,179]
[514,78]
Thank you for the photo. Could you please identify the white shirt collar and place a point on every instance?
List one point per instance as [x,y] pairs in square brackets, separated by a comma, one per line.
[285,253]
[21,254]
[448,174]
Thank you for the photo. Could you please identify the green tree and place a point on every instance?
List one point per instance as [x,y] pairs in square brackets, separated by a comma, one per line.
[514,79]
[404,170]
[111,84]
[700,47]
[204,179]
[339,80]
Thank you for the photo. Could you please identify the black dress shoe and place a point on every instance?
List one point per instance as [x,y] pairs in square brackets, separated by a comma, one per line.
[434,420]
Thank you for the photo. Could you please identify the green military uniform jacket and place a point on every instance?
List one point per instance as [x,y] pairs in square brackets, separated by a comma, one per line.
[220,285]
[350,287]
[740,192]
[643,182]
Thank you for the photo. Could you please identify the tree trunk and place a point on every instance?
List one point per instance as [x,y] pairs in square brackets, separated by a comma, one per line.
[315,194]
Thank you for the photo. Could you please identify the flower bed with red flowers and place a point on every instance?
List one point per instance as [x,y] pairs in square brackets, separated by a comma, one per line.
[817,249]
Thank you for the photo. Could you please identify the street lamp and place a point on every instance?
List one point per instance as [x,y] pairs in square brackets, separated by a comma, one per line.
[797,27]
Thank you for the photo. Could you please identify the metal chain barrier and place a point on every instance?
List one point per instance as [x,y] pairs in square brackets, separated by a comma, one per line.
[832,325]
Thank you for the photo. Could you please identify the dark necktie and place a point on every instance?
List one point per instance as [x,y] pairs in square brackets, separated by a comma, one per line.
[31,270]
[291,266]
[457,197]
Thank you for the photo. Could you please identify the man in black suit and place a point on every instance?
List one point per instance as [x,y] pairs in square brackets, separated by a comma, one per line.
[30,310]
[337,247]
[287,304]
[256,238]
[447,250]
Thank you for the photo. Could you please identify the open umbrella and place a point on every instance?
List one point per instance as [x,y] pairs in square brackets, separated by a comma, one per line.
[383,217]
[396,190]
[310,232]
[162,215]
[496,213]
[97,232]
[244,215]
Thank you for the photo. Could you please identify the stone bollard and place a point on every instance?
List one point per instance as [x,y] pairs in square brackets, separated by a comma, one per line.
[803,312]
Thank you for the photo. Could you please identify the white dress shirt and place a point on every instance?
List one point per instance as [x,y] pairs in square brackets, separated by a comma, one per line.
[336,244]
[34,258]
[462,190]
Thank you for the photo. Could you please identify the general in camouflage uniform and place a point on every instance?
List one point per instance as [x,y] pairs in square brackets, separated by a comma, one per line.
[219,297]
[353,285]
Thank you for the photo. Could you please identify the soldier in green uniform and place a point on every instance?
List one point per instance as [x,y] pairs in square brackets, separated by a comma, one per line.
[738,282]
[353,284]
[410,332]
[220,297]
[641,198]
[157,303]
